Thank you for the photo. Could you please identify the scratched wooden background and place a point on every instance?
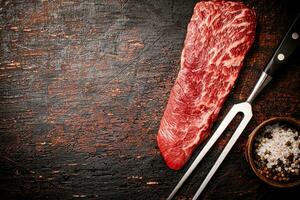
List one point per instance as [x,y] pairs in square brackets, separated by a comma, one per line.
[83,87]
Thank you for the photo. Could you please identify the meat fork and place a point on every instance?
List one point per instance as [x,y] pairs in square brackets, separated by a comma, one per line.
[287,46]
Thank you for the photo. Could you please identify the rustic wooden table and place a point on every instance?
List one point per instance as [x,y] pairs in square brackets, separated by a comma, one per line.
[83,87]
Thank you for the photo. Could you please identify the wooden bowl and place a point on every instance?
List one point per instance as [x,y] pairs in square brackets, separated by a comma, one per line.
[250,149]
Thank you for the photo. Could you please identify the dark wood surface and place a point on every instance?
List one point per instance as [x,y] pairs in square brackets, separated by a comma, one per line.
[83,87]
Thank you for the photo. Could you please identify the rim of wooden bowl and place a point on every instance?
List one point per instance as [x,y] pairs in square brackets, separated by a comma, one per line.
[249,150]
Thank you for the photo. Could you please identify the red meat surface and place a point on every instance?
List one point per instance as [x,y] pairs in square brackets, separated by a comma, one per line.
[218,37]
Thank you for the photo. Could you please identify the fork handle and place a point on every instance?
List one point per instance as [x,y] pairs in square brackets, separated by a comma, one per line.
[285,49]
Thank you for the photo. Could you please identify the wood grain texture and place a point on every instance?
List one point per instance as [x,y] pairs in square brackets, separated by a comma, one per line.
[83,85]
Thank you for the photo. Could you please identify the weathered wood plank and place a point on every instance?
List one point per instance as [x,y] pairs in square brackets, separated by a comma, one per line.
[83,86]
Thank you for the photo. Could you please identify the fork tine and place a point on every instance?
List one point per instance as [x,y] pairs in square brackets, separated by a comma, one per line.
[226,121]
[247,117]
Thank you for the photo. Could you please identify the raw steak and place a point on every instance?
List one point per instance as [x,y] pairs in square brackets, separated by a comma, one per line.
[218,37]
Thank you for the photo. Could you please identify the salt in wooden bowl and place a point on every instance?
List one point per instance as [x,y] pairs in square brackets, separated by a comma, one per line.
[250,148]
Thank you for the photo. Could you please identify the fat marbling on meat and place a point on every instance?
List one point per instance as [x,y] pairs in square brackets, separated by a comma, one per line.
[218,37]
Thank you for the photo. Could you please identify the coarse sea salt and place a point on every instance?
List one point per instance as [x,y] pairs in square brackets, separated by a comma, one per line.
[280,146]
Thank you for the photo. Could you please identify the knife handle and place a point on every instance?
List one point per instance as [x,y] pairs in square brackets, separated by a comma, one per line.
[287,46]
